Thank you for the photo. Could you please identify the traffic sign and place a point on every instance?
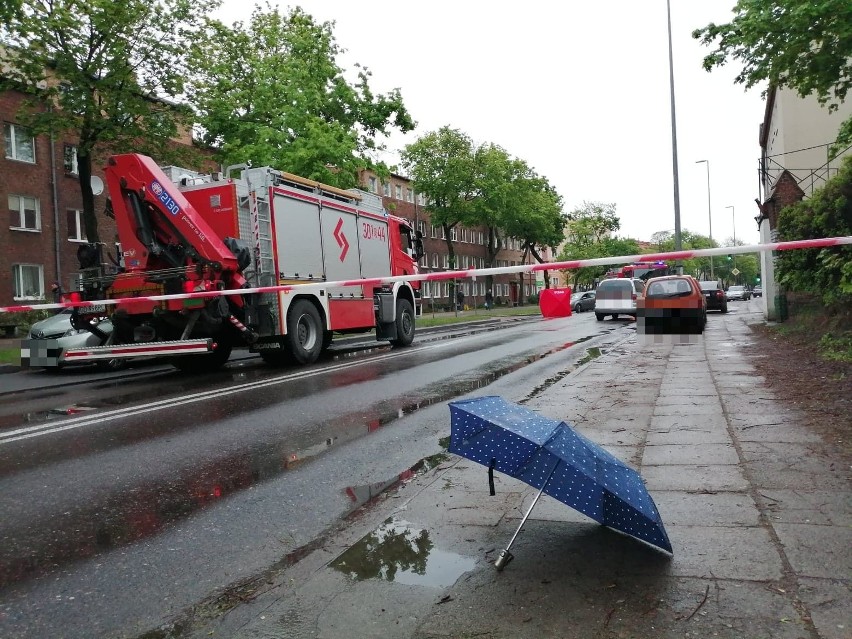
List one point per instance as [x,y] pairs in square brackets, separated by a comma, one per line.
[735,271]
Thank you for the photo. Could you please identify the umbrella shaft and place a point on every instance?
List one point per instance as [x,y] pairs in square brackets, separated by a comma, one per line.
[532,505]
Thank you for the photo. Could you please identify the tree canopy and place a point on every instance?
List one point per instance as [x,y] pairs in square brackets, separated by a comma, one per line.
[271,92]
[483,186]
[590,234]
[805,45]
[107,68]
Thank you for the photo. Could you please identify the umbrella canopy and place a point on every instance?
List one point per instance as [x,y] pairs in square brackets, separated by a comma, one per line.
[553,457]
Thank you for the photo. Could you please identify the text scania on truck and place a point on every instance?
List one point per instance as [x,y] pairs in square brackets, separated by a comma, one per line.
[187,232]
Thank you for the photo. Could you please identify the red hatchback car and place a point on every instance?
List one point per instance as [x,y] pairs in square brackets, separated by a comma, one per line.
[674,304]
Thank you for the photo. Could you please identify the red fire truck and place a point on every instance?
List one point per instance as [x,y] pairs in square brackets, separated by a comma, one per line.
[183,232]
[641,270]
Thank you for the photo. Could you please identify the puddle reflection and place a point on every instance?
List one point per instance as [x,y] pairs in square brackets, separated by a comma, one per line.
[401,552]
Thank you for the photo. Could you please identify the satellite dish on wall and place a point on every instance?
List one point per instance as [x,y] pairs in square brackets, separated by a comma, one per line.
[97,185]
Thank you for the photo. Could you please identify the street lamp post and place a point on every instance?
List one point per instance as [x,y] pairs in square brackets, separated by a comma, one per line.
[678,244]
[709,215]
[734,222]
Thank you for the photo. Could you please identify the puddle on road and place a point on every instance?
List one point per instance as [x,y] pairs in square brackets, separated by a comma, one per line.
[360,495]
[403,553]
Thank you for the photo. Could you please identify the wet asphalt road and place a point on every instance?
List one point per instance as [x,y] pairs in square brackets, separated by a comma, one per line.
[128,498]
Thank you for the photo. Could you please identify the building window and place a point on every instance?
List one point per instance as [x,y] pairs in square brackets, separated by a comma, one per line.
[76,228]
[29,281]
[20,143]
[398,191]
[70,156]
[421,226]
[24,213]
[435,262]
[386,188]
[434,231]
[421,199]
[453,234]
[372,184]
[409,195]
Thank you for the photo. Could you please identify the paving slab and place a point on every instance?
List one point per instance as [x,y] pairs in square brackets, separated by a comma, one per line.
[687,454]
[698,478]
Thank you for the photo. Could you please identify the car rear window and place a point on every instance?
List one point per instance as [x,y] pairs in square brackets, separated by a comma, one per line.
[668,288]
[709,286]
[736,288]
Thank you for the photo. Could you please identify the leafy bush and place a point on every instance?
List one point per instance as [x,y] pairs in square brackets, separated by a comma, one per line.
[24,319]
[827,271]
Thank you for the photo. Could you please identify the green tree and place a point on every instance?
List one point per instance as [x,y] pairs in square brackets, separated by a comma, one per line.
[805,45]
[271,92]
[534,215]
[590,235]
[441,166]
[102,69]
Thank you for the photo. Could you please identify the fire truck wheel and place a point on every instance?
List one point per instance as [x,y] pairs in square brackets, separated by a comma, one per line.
[197,364]
[304,332]
[404,323]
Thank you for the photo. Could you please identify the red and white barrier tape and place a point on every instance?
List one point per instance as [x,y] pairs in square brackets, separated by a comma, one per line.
[454,275]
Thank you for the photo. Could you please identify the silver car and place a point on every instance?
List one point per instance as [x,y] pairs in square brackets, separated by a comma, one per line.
[617,296]
[47,339]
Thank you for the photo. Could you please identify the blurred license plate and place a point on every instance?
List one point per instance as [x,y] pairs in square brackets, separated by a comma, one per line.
[92,310]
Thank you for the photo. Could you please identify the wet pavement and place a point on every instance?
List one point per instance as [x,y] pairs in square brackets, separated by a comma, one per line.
[758,510]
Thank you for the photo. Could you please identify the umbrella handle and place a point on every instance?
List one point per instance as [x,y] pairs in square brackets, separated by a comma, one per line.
[505,555]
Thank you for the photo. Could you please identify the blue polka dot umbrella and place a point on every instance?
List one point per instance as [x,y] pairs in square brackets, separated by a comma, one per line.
[559,461]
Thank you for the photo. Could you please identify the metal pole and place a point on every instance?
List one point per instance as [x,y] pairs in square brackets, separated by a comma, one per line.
[678,244]
[709,214]
[505,556]
[734,222]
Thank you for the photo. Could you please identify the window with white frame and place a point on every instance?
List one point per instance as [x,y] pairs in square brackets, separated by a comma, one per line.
[398,191]
[76,227]
[453,234]
[446,260]
[386,188]
[421,226]
[435,261]
[70,159]
[409,195]
[421,199]
[434,232]
[24,213]
[28,281]
[19,142]
[372,184]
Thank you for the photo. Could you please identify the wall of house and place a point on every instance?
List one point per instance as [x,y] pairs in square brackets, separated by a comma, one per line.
[799,133]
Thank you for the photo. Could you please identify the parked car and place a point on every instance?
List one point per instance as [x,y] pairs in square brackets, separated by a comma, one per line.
[59,328]
[757,291]
[617,296]
[714,295]
[674,304]
[584,301]
[738,293]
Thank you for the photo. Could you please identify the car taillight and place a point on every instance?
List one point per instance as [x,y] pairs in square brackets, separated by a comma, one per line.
[718,293]
[633,297]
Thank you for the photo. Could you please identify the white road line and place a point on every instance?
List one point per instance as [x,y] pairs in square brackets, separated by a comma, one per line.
[90,420]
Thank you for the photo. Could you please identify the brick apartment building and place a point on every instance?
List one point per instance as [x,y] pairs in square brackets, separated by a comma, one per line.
[399,198]
[38,182]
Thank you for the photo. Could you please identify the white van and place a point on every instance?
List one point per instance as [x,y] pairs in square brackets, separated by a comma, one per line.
[617,296]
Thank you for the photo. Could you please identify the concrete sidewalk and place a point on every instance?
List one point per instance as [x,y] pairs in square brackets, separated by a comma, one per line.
[757,508]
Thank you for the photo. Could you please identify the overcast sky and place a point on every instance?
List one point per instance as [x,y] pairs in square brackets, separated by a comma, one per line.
[580,90]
